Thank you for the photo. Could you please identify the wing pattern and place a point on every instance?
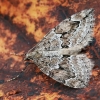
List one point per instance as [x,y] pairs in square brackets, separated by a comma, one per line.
[57,54]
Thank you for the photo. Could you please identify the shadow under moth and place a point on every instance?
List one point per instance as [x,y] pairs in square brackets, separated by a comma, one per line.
[58,54]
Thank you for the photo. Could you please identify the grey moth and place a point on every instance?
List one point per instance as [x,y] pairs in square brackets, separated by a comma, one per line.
[58,54]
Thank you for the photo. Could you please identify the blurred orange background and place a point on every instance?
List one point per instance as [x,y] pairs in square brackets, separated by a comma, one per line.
[23,23]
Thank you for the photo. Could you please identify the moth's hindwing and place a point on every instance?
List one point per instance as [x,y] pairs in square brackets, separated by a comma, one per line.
[57,55]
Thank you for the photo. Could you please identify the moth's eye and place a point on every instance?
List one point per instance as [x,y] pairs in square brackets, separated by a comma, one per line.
[26,59]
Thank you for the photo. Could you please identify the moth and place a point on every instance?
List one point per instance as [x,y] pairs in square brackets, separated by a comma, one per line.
[58,54]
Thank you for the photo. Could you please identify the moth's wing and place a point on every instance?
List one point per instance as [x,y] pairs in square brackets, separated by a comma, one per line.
[71,32]
[73,71]
[77,30]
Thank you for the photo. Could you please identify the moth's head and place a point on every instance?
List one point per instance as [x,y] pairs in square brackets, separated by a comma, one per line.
[29,56]
[32,55]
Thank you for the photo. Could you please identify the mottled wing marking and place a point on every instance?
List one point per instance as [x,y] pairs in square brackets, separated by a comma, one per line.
[57,55]
[75,68]
[51,41]
[81,27]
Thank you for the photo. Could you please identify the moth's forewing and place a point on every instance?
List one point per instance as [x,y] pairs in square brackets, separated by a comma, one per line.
[57,54]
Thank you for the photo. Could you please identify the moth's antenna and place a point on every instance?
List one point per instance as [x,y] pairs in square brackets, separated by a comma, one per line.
[18,74]
[17,54]
[21,55]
